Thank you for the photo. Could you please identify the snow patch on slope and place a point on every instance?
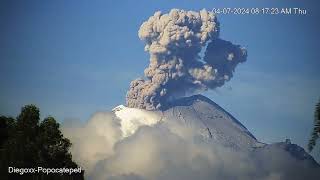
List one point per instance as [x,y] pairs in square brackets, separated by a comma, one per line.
[131,119]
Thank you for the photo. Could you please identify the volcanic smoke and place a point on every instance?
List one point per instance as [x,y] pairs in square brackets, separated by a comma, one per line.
[175,42]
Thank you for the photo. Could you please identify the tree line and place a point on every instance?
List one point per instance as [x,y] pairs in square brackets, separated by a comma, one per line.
[27,142]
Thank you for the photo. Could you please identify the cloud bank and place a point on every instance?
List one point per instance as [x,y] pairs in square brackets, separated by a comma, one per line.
[167,150]
[174,42]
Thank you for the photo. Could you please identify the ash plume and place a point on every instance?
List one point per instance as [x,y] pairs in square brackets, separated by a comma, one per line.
[174,42]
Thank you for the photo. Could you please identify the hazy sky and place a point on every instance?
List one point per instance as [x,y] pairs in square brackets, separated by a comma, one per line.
[73,58]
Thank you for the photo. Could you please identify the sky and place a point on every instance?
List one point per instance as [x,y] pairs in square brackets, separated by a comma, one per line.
[74,58]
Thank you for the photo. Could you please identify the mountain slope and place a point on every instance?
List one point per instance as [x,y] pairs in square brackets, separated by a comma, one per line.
[213,121]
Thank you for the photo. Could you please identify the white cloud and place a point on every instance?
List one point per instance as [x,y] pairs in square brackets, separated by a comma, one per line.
[171,151]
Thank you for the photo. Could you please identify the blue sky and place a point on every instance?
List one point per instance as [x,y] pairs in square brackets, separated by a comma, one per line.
[74,58]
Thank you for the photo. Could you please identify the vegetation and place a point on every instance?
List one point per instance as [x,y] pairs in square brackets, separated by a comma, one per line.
[26,142]
[316,129]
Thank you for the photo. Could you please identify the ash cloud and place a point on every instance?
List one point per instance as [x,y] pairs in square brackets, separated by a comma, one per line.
[174,41]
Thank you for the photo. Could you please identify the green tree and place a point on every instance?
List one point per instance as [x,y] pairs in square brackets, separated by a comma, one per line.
[27,142]
[26,134]
[7,131]
[54,148]
[7,128]
[316,128]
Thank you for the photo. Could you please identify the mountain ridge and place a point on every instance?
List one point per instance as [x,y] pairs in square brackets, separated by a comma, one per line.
[293,149]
